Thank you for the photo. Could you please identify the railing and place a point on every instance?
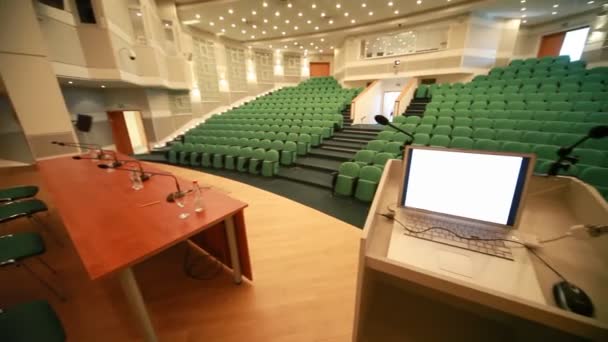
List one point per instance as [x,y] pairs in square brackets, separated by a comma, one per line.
[361,94]
[405,97]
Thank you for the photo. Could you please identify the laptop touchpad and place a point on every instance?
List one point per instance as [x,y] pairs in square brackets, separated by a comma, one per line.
[456,263]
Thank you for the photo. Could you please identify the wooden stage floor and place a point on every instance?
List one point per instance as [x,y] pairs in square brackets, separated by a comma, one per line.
[304,267]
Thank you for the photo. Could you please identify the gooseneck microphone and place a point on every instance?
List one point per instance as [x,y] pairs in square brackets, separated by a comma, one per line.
[382,120]
[171,197]
[565,160]
[143,175]
[101,151]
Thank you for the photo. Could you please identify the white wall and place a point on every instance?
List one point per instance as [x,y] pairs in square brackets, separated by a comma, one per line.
[368,104]
[135,129]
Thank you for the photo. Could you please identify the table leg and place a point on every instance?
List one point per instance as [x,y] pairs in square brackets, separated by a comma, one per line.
[137,304]
[234,250]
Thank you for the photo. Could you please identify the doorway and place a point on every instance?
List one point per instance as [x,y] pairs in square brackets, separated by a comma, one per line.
[128,132]
[388,103]
[550,45]
[319,69]
[567,43]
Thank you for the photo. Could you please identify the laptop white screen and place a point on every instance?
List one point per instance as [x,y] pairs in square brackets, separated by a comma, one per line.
[472,185]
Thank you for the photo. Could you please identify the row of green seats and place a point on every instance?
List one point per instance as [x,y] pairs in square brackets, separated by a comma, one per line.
[544,115]
[523,87]
[231,137]
[287,119]
[326,128]
[357,180]
[546,119]
[581,105]
[525,97]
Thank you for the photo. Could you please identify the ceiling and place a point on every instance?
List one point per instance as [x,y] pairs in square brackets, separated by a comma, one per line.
[320,25]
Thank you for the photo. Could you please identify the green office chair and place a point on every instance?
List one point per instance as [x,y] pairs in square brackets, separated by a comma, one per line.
[255,163]
[27,208]
[17,193]
[14,248]
[32,321]
[369,176]
[345,178]
[289,153]
[381,159]
[270,165]
[231,157]
[242,162]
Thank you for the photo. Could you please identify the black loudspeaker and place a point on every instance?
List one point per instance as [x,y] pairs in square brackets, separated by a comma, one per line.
[84,122]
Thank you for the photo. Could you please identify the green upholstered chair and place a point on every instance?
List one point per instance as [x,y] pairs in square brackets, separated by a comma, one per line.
[385,135]
[15,248]
[381,159]
[346,178]
[31,321]
[289,153]
[184,154]
[173,153]
[255,163]
[483,133]
[207,155]
[231,157]
[242,162]
[439,141]
[196,155]
[421,139]
[598,177]
[515,147]
[375,145]
[26,208]
[304,143]
[17,193]
[369,176]
[270,165]
[364,157]
[486,145]
[394,148]
[461,142]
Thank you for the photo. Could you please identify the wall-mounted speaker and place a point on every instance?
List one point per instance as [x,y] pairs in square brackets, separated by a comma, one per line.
[84,122]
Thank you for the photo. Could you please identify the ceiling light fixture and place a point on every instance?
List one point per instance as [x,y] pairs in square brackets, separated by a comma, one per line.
[523,9]
[70,82]
[289,5]
[265,21]
[322,14]
[331,21]
[198,16]
[556,6]
[523,1]
[252,37]
[265,4]
[243,31]
[364,5]
[221,18]
[286,21]
[371,13]
[523,15]
[231,11]
[263,32]
[233,25]
[346,14]
[396,12]
[419,2]
[274,27]
[390,4]
[322,39]
[223,30]
[103,86]
[553,13]
[338,6]
[590,2]
[254,26]
[295,28]
[211,23]
[244,20]
[254,13]
[352,21]
[277,14]
[313,5]
[300,14]
[283,33]
[308,21]
[317,28]
[524,21]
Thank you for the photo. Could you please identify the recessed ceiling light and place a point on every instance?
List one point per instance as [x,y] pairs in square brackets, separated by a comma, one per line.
[313,5]
[295,28]
[270,46]
[338,5]
[301,47]
[263,32]
[322,14]
[285,46]
[254,26]
[352,21]
[308,21]
[230,10]
[524,21]
[254,13]
[523,9]
[274,27]
[419,2]
[283,33]
[523,15]
[523,1]
[553,13]
[252,37]
[286,21]
[321,51]
[300,14]
[265,21]
[223,30]
[211,23]
[396,12]
[243,20]
[103,86]
[277,13]
[590,2]
[346,14]
[233,25]
[243,31]
[311,44]
[364,5]
[265,4]
[198,16]
[556,6]
[289,5]
[317,28]
[221,18]
[371,13]
[70,82]
[390,4]
[322,39]
[331,21]
[295,43]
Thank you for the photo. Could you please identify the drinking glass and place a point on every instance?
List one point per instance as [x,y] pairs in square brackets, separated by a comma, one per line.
[136,182]
[181,202]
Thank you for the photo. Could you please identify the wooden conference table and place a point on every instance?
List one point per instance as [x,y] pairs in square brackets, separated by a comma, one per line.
[112,232]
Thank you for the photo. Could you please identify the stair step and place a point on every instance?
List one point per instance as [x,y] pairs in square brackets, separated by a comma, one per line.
[321,153]
[340,149]
[347,144]
[354,130]
[318,178]
[322,164]
[365,137]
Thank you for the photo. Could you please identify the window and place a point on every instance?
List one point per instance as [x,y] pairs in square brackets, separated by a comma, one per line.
[263,66]
[405,42]
[86,12]
[292,65]
[574,42]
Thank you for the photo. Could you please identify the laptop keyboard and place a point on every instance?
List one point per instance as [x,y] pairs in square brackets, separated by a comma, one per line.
[494,248]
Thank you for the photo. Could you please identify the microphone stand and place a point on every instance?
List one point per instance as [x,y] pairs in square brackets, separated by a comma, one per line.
[101,151]
[382,120]
[143,175]
[565,160]
[171,197]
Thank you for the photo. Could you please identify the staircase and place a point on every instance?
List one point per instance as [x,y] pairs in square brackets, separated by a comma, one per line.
[417,106]
[318,166]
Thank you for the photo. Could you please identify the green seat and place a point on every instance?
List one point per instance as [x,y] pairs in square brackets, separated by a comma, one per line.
[421,139]
[173,153]
[24,208]
[439,141]
[17,192]
[257,158]
[270,165]
[461,142]
[375,145]
[364,157]
[426,129]
[538,138]
[515,147]
[555,127]
[207,158]
[504,124]
[196,155]
[445,121]
[304,144]
[412,119]
[466,132]
[184,154]
[369,176]
[242,162]
[230,159]
[218,156]
[486,145]
[381,159]
[422,91]
[590,157]
[482,123]
[483,133]
[394,148]
[346,178]
[289,153]
[385,136]
[442,130]
[31,321]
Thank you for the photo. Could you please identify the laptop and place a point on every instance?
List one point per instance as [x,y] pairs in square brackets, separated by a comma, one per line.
[475,194]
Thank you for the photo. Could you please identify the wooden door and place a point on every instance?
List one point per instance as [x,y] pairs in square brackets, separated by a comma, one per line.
[120,133]
[550,45]
[319,69]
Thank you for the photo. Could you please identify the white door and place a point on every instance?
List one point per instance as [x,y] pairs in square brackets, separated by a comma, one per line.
[388,103]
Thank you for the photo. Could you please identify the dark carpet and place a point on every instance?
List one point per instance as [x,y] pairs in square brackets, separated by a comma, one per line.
[346,209]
